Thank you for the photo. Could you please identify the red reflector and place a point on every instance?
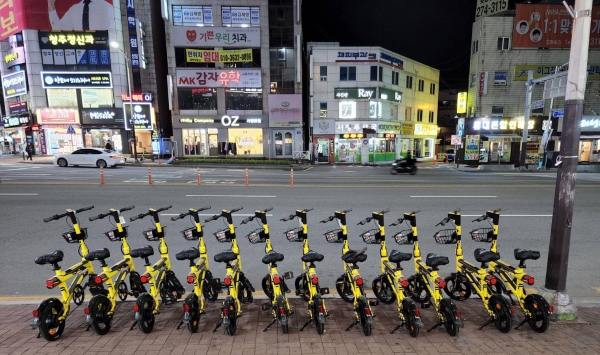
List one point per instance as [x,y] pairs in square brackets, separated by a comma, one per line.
[550,309]
[402,281]
[86,311]
[136,308]
[186,308]
[367,311]
[281,310]
[36,313]
[321,309]
[513,309]
[98,280]
[457,314]
[227,281]
[191,278]
[315,280]
[276,280]
[528,280]
[52,282]
[359,281]
[440,282]
[417,313]
[491,280]
[225,312]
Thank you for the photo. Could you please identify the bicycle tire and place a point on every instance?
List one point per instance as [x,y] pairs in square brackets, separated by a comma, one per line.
[342,285]
[285,317]
[366,327]
[210,288]
[538,307]
[457,289]
[408,310]
[301,284]
[122,291]
[194,305]
[99,307]
[50,328]
[417,290]
[231,307]
[267,287]
[383,290]
[317,303]
[502,316]
[145,303]
[448,311]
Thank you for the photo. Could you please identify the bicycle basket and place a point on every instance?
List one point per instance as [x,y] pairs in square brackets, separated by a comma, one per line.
[371,236]
[223,235]
[152,235]
[294,234]
[334,236]
[115,236]
[72,237]
[482,235]
[404,237]
[445,236]
[257,236]
[191,234]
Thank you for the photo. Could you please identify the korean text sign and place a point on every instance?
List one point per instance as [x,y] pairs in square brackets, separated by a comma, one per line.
[218,56]
[211,78]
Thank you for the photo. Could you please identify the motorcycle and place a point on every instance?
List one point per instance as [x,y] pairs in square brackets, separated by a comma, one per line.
[404,166]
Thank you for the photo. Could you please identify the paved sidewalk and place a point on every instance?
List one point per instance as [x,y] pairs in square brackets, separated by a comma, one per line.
[16,337]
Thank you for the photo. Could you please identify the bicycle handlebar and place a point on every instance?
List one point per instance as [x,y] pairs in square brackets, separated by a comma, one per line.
[213,218]
[366,220]
[268,209]
[456,210]
[57,216]
[288,218]
[415,212]
[180,216]
[100,216]
[163,208]
[236,209]
[203,208]
[142,215]
[443,222]
[328,219]
[307,210]
[246,220]
[384,211]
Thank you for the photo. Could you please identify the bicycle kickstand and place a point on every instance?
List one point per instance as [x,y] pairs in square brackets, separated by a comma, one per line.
[522,322]
[486,323]
[39,335]
[352,325]
[306,324]
[397,327]
[135,322]
[269,326]
[435,326]
[217,327]
[180,324]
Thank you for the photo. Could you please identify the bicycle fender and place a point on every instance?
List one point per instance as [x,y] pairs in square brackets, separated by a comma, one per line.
[47,302]
[409,304]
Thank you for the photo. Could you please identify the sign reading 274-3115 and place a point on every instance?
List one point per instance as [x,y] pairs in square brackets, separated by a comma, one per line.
[76,80]
[490,7]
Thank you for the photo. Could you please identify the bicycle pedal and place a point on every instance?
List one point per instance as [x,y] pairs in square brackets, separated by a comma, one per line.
[288,275]
[265,307]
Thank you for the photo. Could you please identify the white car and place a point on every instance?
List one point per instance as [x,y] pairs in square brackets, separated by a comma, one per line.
[89,156]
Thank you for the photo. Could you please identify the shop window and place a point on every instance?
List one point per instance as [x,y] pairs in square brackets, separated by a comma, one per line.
[419,115]
[197,99]
[497,111]
[248,141]
[323,110]
[432,89]
[97,98]
[282,57]
[343,73]
[62,97]
[278,143]
[395,78]
[243,99]
[431,116]
[373,73]
[235,16]
[287,143]
[503,43]
[97,138]
[194,142]
[323,73]
[421,85]
[204,19]
[409,82]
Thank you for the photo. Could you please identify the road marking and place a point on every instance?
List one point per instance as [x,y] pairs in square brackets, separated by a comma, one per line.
[396,180]
[254,196]
[208,214]
[512,215]
[24,174]
[17,194]
[455,196]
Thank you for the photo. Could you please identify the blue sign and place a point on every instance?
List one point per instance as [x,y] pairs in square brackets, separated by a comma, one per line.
[135,60]
[104,57]
[392,60]
[130,6]
[81,56]
[558,113]
[131,20]
[500,78]
[93,56]
[70,130]
[133,43]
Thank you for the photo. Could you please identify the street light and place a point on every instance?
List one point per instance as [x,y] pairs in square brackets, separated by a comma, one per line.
[131,122]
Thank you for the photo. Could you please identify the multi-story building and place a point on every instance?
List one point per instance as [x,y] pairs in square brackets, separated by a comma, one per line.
[236,79]
[370,105]
[505,46]
[65,75]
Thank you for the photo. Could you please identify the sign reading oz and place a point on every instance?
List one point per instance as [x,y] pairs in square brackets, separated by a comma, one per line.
[230,121]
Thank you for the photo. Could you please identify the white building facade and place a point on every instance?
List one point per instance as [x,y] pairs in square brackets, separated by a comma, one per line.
[369,105]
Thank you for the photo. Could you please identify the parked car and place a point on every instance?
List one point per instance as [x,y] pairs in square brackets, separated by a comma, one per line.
[450,154]
[90,156]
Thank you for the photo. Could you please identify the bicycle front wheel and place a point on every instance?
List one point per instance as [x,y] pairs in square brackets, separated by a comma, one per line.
[344,289]
[538,308]
[409,312]
[50,328]
[145,305]
[100,307]
[229,316]
[366,318]
[448,311]
[383,290]
[501,309]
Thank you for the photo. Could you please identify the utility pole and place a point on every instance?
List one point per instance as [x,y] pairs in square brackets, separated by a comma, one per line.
[562,217]
[529,89]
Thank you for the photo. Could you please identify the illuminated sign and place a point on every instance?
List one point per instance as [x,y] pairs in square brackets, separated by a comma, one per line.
[143,97]
[393,60]
[425,129]
[70,39]
[353,93]
[17,108]
[390,95]
[358,127]
[461,103]
[218,56]
[357,55]
[76,80]
[225,120]
[142,116]
[10,57]
[234,78]
[492,125]
[14,84]
[353,135]
[58,115]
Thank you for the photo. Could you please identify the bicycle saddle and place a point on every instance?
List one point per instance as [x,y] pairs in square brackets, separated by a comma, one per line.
[98,254]
[522,254]
[311,257]
[485,256]
[142,252]
[272,257]
[353,256]
[434,260]
[188,254]
[397,256]
[225,257]
[52,258]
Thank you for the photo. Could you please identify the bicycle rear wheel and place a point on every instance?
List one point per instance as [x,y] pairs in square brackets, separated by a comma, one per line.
[448,311]
[538,307]
[210,288]
[457,287]
[501,309]
[145,304]
[100,307]
[408,310]
[383,290]
[194,310]
[344,289]
[50,328]
[318,314]
[366,318]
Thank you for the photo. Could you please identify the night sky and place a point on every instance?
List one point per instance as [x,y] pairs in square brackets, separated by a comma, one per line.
[434,32]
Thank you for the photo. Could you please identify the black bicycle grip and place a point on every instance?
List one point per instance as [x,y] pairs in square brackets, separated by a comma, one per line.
[346,211]
[236,209]
[246,220]
[163,208]
[307,209]
[385,211]
[443,222]
[84,209]
[268,209]
[178,216]
[289,218]
[128,208]
[212,218]
[498,210]
[203,208]
[138,217]
[328,219]
[456,210]
[51,218]
[479,219]
[100,216]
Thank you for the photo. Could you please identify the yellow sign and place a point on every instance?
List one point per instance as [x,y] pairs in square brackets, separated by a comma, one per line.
[461,103]
[73,39]
[407,129]
[426,129]
[218,56]
[10,57]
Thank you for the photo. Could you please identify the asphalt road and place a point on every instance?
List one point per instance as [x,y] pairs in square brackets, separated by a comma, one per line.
[525,198]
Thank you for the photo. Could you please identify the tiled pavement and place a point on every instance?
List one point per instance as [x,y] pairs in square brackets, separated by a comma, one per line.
[582,337]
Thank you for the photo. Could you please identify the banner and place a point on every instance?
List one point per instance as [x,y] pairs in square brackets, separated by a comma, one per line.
[285,110]
[183,36]
[549,26]
[490,7]
[14,84]
[461,103]
[214,78]
[218,56]
[472,147]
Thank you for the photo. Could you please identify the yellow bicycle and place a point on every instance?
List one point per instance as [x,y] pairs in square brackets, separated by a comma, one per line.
[391,285]
[206,287]
[536,309]
[307,284]
[273,285]
[50,316]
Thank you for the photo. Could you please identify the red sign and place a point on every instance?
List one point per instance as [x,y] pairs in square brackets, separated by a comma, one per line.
[58,115]
[143,97]
[549,26]
[482,83]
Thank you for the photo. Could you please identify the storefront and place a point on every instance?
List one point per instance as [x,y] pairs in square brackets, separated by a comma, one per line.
[323,132]
[222,135]
[16,133]
[144,120]
[589,141]
[60,130]
[360,142]
[102,125]
[285,121]
[425,136]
